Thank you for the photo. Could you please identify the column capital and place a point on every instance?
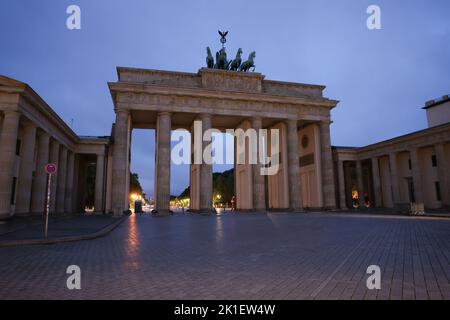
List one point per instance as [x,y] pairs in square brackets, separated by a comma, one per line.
[165,113]
[292,123]
[11,112]
[202,116]
[122,111]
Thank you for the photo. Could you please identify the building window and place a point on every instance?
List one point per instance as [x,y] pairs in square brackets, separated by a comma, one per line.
[438,191]
[18,143]
[409,164]
[13,190]
[433,160]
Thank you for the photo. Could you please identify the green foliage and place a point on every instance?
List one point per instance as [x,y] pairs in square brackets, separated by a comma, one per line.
[135,186]
[223,184]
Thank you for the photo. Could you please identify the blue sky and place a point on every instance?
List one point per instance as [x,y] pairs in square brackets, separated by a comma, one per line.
[381,77]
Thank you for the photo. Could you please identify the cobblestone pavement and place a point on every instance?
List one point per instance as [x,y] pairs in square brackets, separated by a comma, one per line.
[241,256]
[26,229]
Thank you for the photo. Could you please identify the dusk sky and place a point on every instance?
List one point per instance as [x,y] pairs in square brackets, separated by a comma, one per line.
[382,78]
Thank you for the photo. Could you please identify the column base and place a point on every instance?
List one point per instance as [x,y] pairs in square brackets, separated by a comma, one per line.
[161,212]
[6,216]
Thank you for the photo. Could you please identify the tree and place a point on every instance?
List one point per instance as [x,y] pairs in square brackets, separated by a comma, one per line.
[223,184]
[135,186]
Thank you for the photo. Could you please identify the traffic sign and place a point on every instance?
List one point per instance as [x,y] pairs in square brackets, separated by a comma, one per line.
[50,168]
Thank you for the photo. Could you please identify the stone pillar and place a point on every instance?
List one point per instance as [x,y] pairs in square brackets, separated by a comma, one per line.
[295,196]
[62,177]
[26,169]
[376,182]
[341,178]
[329,196]
[54,158]
[8,139]
[194,170]
[99,183]
[394,178]
[68,203]
[39,187]
[206,186]
[443,173]
[120,163]
[360,184]
[162,163]
[416,174]
[259,190]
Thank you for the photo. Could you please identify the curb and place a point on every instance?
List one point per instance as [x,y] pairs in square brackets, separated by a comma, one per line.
[101,233]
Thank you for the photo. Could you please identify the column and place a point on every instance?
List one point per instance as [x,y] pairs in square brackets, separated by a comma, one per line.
[360,184]
[40,177]
[99,183]
[54,158]
[68,207]
[194,170]
[8,138]
[443,173]
[162,163]
[376,182]
[416,174]
[329,196]
[394,178]
[259,194]
[206,186]
[62,177]
[295,197]
[26,169]
[341,177]
[120,163]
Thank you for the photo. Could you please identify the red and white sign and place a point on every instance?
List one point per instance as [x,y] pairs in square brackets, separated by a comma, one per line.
[50,168]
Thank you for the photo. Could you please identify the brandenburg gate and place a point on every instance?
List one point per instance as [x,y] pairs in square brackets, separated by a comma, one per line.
[224,99]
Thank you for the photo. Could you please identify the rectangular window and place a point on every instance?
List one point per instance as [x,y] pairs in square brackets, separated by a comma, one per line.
[433,160]
[18,143]
[409,164]
[13,190]
[438,191]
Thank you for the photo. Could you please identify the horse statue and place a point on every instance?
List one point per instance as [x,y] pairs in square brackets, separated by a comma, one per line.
[236,63]
[246,65]
[209,58]
[221,60]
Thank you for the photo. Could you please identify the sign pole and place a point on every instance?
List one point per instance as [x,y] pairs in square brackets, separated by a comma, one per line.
[50,169]
[47,205]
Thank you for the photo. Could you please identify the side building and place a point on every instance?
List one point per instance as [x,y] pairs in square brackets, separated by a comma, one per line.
[32,135]
[394,173]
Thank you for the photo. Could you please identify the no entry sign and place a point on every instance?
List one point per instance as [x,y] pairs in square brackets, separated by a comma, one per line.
[50,168]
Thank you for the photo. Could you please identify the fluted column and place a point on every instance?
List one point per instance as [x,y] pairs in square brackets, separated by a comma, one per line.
[416,174]
[162,163]
[329,196]
[62,177]
[68,207]
[295,196]
[8,139]
[443,168]
[206,187]
[99,183]
[120,163]
[341,177]
[54,158]
[394,178]
[360,184]
[259,190]
[26,169]
[376,182]
[40,177]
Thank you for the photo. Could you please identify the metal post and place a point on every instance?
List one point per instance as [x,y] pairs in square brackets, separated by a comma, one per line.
[47,205]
